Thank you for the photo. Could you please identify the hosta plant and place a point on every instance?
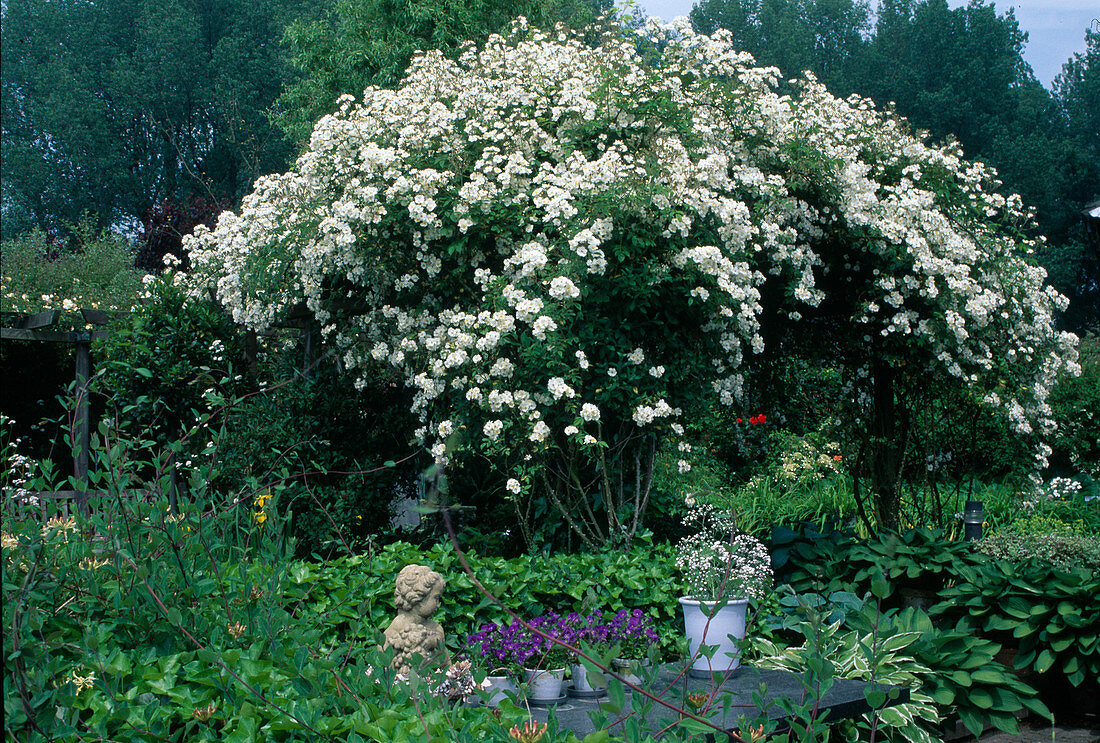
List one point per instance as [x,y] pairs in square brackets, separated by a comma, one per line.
[1050,616]
[869,656]
[966,680]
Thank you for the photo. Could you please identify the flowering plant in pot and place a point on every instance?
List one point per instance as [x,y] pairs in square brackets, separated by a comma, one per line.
[723,569]
[592,634]
[492,650]
[543,659]
[632,632]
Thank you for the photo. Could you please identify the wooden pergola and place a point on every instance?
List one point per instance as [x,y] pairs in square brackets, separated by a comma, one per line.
[38,327]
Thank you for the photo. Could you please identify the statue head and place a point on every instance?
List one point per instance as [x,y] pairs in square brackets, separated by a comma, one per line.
[418,590]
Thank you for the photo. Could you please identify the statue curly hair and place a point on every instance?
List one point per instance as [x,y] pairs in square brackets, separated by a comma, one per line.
[414,584]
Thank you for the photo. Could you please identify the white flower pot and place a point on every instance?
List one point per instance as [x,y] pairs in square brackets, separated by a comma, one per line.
[724,629]
[545,686]
[630,669]
[498,688]
[581,681]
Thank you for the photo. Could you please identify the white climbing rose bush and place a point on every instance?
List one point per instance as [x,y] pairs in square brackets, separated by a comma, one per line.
[560,246]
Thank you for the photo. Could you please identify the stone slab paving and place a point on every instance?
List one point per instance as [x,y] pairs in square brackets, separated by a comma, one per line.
[1045,734]
[844,700]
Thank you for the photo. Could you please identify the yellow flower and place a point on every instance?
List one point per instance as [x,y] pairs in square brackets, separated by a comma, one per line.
[82,682]
[59,525]
[91,563]
[236,629]
[261,517]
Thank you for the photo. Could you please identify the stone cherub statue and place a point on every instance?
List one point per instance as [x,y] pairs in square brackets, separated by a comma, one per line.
[413,631]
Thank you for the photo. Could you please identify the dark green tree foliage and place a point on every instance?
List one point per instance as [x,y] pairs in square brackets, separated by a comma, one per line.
[1075,270]
[1077,91]
[356,43]
[111,106]
[950,71]
[826,37]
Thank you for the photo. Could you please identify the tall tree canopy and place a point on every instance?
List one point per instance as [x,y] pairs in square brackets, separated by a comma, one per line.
[823,36]
[109,107]
[357,43]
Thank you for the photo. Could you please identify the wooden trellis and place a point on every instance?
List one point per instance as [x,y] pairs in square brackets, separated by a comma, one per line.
[37,328]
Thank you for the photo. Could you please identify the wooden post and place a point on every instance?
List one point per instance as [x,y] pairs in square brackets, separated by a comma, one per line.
[251,353]
[82,424]
[307,342]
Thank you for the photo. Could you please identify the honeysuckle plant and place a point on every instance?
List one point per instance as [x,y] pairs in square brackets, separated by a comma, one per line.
[562,248]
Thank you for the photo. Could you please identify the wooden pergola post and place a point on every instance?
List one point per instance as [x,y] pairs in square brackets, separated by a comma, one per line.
[82,428]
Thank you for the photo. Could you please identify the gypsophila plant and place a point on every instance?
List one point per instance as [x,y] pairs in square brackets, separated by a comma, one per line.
[720,562]
[16,468]
[561,247]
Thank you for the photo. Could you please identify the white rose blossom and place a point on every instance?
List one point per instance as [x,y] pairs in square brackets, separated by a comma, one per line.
[485,329]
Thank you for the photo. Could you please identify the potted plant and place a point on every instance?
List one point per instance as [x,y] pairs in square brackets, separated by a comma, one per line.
[592,633]
[490,649]
[723,569]
[543,659]
[632,632]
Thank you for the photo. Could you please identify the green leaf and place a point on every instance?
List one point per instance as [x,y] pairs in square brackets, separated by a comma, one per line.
[980,698]
[875,697]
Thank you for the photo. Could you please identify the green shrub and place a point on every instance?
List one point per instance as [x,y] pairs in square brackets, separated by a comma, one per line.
[919,560]
[96,272]
[1076,405]
[1045,539]
[136,623]
[158,365]
[959,671]
[334,440]
[877,656]
[965,680]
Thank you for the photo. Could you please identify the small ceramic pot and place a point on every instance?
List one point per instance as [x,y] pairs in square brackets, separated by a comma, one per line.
[630,669]
[545,686]
[583,683]
[498,688]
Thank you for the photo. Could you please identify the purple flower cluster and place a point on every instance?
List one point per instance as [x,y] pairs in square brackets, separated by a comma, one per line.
[633,631]
[514,646]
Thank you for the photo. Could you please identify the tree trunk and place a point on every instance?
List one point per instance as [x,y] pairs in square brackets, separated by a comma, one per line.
[885,447]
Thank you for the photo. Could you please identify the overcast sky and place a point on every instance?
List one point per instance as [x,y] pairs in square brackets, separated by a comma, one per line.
[1055,28]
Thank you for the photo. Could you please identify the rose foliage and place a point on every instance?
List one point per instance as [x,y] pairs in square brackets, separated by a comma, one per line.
[561,248]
